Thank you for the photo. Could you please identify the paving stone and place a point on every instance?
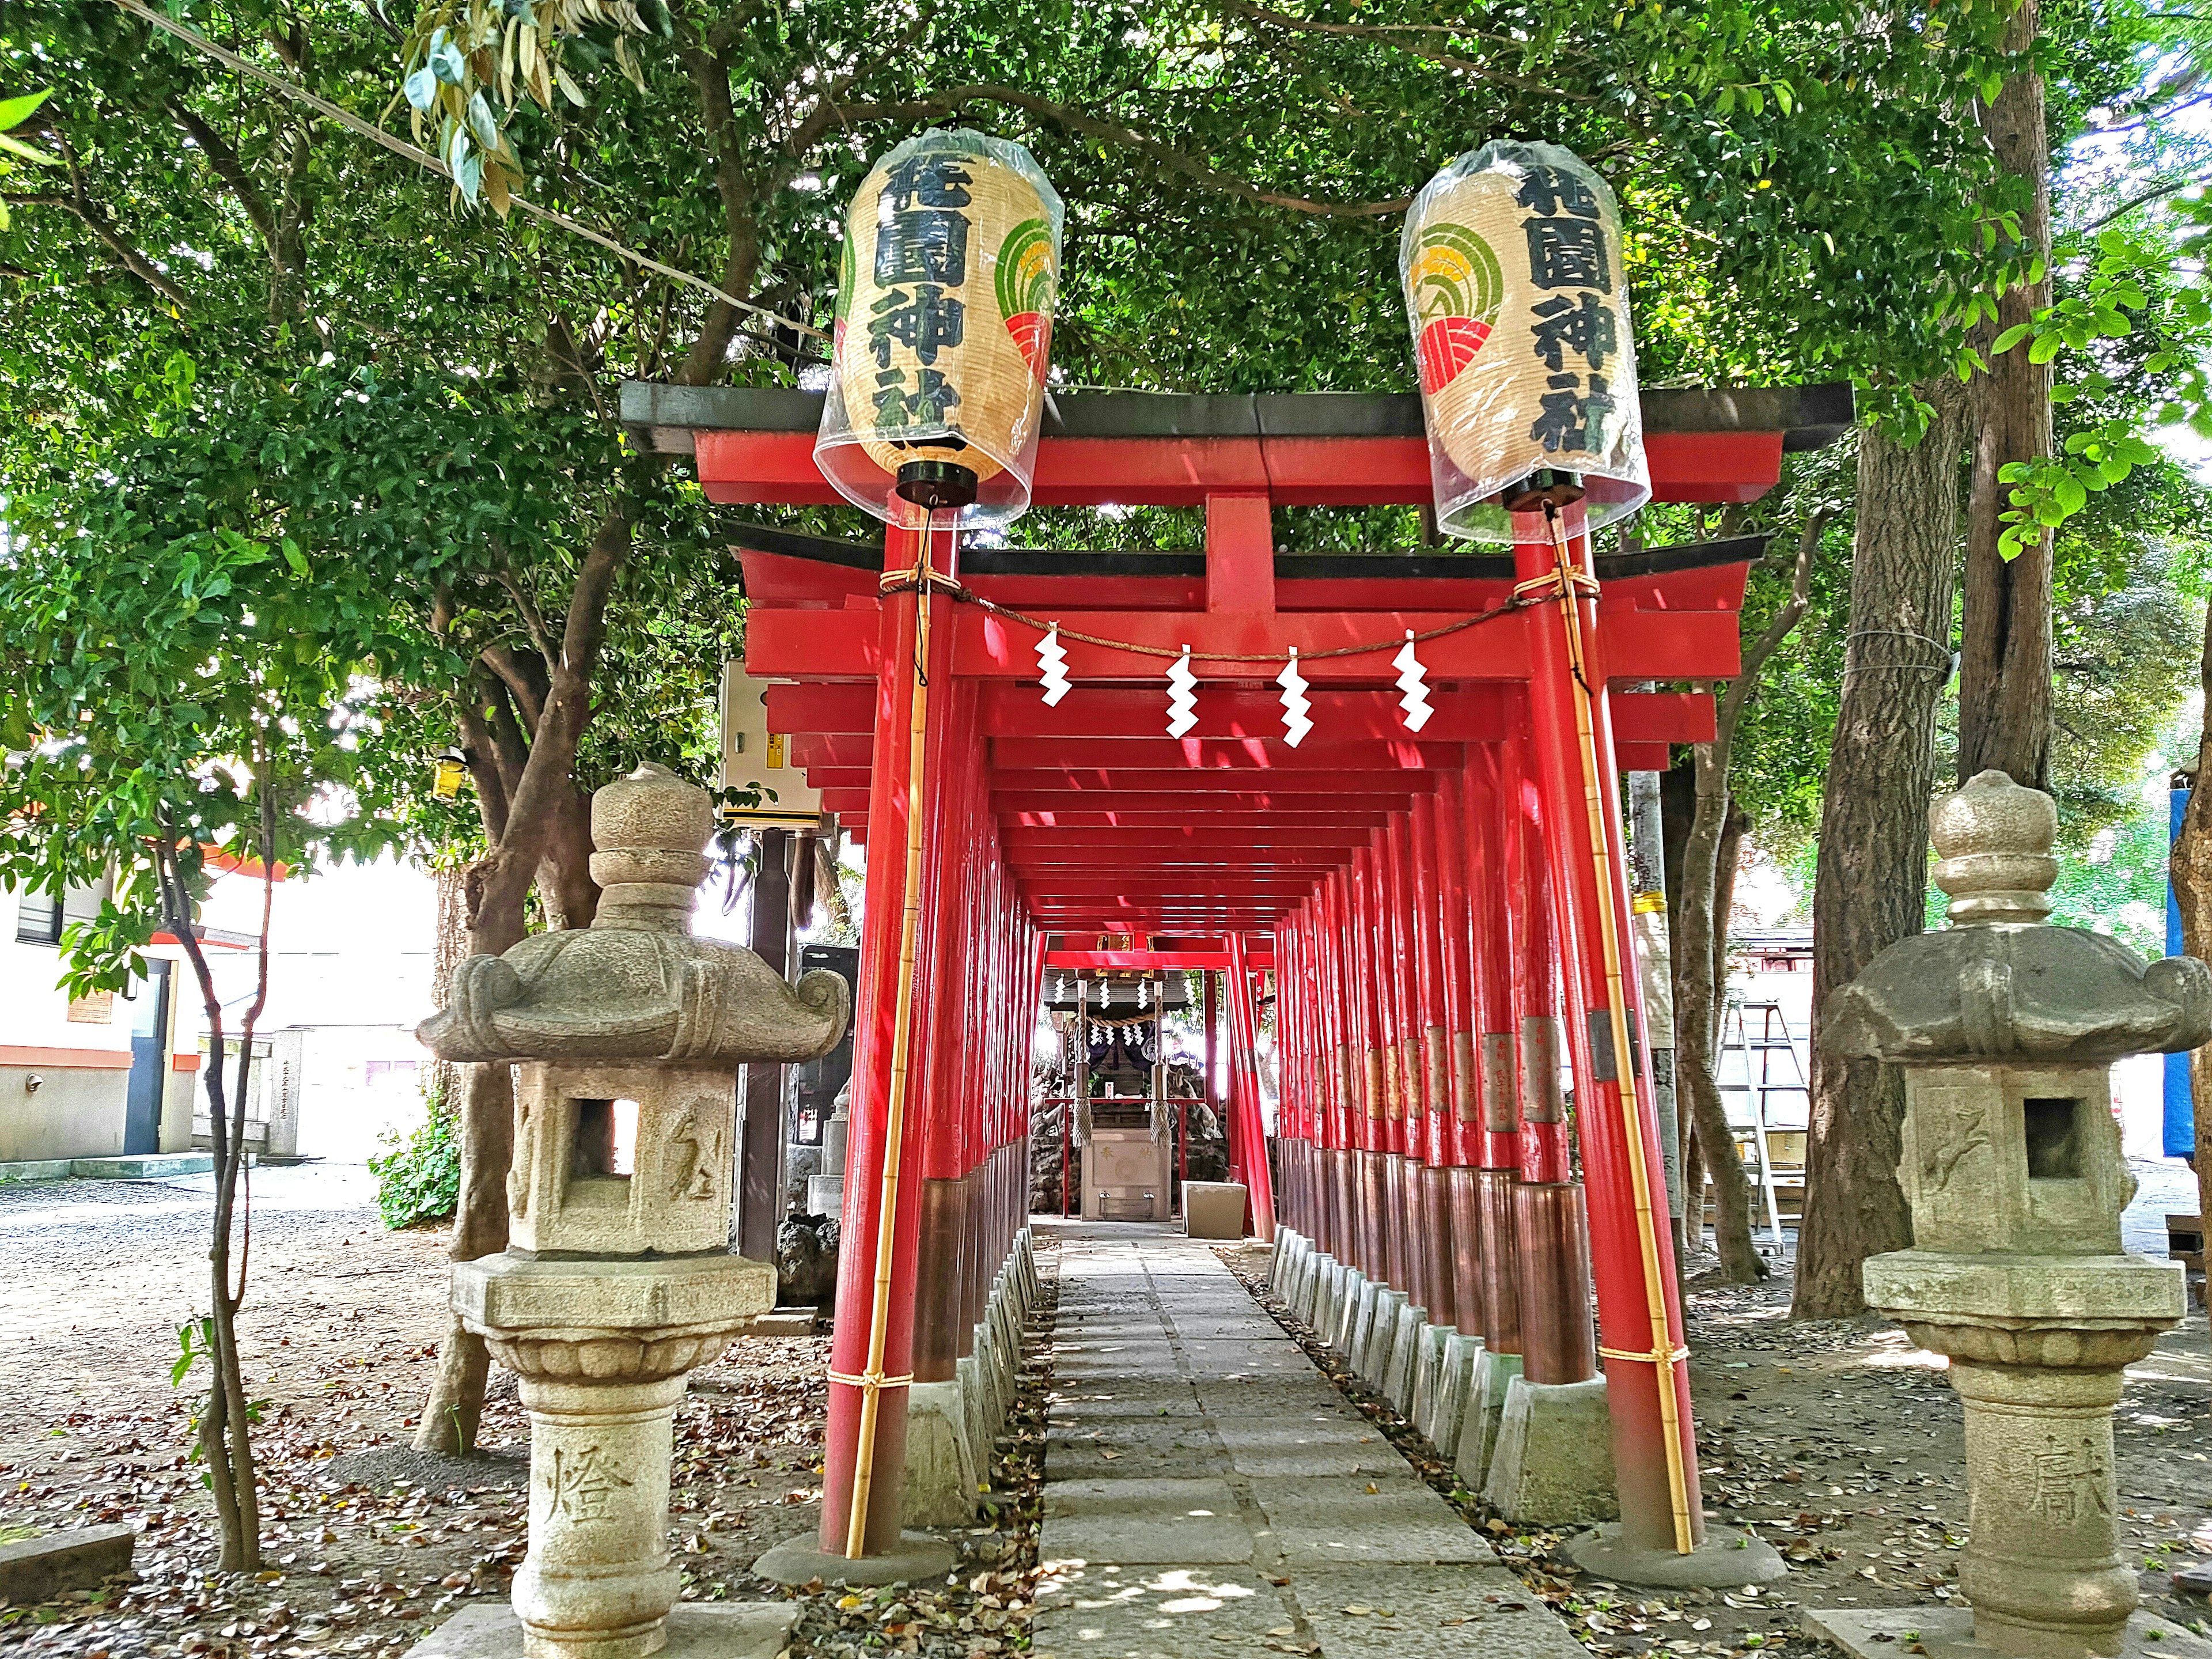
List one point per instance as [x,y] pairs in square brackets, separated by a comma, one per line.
[1145,1540]
[1251,1358]
[1173,1613]
[1458,1612]
[1323,1521]
[1267,1396]
[1204,1498]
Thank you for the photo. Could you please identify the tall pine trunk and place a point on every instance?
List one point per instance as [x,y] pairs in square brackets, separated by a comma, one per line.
[1871,874]
[2004,663]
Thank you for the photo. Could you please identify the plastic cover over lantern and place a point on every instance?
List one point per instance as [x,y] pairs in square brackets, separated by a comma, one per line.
[1511,262]
[944,331]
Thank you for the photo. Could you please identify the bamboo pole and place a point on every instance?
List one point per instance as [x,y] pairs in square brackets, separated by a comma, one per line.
[1663,1354]
[873,1381]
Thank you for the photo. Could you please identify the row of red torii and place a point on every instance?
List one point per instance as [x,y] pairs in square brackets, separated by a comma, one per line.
[1440,912]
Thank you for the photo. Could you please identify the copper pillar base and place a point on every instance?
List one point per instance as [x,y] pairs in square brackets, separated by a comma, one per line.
[1501,1287]
[1373,1217]
[1551,1236]
[1437,1285]
[1393,1168]
[1463,1204]
[938,1289]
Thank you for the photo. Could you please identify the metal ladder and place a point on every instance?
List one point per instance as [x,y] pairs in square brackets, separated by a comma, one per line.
[1773,1036]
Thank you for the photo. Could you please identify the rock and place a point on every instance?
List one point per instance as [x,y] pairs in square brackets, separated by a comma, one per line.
[807,1260]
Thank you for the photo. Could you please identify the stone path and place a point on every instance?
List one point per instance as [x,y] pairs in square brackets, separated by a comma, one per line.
[1208,1490]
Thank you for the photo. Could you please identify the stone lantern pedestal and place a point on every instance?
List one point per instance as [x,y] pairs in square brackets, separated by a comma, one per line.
[618,1279]
[2006,1030]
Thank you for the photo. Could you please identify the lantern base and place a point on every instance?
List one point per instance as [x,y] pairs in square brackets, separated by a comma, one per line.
[934,484]
[1545,487]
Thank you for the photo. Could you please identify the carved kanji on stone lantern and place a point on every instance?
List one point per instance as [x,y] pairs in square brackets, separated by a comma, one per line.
[618,1279]
[2007,1030]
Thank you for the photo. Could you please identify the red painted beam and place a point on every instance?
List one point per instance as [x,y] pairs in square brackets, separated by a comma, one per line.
[1475,713]
[778,581]
[763,467]
[1174,786]
[1225,821]
[1014,843]
[842,709]
[1638,644]
[1140,962]
[1398,754]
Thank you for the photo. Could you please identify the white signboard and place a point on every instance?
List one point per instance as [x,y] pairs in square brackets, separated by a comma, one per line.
[758,761]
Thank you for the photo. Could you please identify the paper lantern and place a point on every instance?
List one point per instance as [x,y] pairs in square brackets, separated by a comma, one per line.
[1517,290]
[944,332]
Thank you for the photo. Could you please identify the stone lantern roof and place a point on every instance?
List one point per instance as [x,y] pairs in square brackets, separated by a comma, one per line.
[635,985]
[2000,984]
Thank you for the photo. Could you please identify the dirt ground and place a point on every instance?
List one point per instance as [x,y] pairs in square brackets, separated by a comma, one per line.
[366,1543]
[1841,1443]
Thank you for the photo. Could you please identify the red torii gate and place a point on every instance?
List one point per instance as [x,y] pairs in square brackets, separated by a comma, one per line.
[1431,902]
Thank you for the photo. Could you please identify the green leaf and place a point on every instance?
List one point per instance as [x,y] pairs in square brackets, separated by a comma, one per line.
[17,148]
[481,127]
[2044,348]
[14,111]
[2011,338]
[421,88]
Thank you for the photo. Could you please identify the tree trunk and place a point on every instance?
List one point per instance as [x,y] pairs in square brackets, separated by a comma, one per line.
[565,886]
[1871,875]
[2004,668]
[1698,990]
[449,948]
[2191,869]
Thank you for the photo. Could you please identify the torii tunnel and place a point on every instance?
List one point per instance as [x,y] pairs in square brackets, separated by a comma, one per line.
[1445,913]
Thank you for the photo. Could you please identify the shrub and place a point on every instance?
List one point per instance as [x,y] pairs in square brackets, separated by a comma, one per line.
[419,1179]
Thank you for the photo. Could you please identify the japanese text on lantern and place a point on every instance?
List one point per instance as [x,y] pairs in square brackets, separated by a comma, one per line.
[922,261]
[1576,334]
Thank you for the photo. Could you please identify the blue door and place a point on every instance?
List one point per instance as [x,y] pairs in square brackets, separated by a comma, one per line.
[150,1062]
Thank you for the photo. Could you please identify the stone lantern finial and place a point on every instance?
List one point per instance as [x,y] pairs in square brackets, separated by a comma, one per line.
[649,828]
[1995,838]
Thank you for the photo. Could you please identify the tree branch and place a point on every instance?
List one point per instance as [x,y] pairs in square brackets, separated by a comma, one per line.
[709,74]
[527,689]
[1779,629]
[228,167]
[533,618]
[945,103]
[1382,35]
[80,206]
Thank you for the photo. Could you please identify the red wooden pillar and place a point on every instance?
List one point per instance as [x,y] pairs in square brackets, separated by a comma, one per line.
[1401,1083]
[1655,1447]
[1244,1077]
[1375,1126]
[1463,1120]
[886,982]
[1551,1231]
[1329,935]
[1499,901]
[949,952]
[1433,1239]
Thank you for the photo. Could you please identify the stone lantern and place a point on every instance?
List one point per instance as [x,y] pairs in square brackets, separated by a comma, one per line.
[618,1279]
[2007,1030]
